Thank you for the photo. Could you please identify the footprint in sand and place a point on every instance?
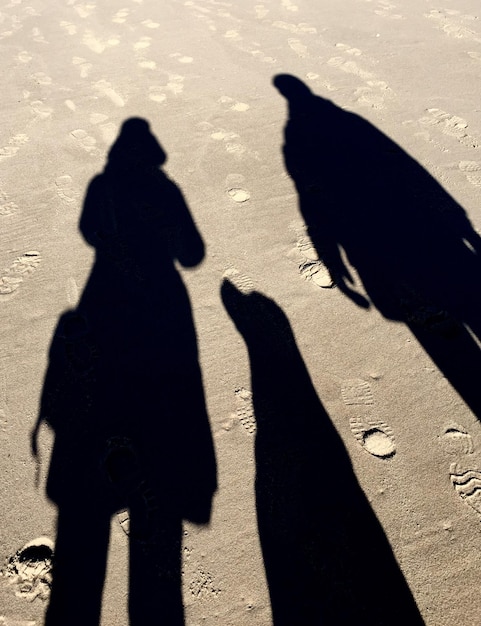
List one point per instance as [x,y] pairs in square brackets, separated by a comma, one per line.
[21,268]
[456,440]
[450,22]
[385,9]
[375,436]
[121,16]
[311,267]
[65,188]
[29,570]
[238,195]
[245,410]
[242,282]
[85,141]
[467,484]
[472,171]
[13,146]
[234,105]
[450,125]
[295,28]
[356,392]
[298,47]
[7,207]
[203,586]
[83,65]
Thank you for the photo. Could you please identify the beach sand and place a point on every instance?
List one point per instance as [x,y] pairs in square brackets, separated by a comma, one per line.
[335,303]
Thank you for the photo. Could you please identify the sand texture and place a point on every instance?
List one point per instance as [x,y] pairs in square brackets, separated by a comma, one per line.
[240,313]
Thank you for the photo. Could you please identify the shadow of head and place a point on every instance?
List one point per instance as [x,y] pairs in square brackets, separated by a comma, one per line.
[291,87]
[136,147]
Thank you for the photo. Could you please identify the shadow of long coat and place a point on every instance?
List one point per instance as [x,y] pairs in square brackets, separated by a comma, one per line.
[123,393]
[326,557]
[370,207]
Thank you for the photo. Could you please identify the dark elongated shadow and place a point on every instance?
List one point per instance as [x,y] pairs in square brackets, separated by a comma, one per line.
[123,394]
[411,245]
[326,557]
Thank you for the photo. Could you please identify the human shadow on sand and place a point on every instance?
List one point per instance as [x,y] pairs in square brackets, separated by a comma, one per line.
[326,557]
[123,394]
[369,206]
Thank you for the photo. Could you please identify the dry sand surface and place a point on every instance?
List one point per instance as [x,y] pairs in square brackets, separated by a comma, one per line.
[321,207]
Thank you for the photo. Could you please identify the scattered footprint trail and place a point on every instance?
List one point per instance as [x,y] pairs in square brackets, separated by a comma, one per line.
[20,269]
[467,483]
[29,570]
[375,436]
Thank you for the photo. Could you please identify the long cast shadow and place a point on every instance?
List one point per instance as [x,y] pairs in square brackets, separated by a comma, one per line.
[326,557]
[123,393]
[412,245]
